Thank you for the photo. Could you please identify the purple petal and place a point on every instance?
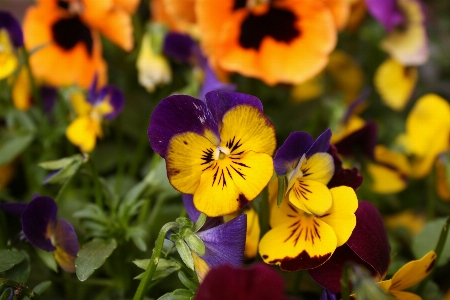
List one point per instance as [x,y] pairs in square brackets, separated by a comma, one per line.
[10,24]
[348,177]
[327,295]
[49,96]
[66,241]
[193,213]
[293,148]
[225,244]
[115,97]
[368,246]
[219,102]
[356,103]
[14,208]
[321,144]
[38,219]
[180,47]
[92,91]
[258,282]
[362,141]
[177,114]
[212,83]
[386,12]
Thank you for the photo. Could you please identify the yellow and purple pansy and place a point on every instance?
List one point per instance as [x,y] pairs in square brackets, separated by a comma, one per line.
[11,37]
[368,246]
[299,241]
[219,150]
[308,168]
[106,103]
[224,242]
[45,231]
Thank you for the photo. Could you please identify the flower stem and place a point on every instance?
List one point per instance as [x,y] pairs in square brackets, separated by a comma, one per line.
[151,268]
[97,186]
[345,282]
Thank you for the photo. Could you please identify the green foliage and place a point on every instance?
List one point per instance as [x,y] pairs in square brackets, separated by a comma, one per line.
[92,256]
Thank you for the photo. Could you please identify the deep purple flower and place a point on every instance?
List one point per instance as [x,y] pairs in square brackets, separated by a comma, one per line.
[43,230]
[9,23]
[183,48]
[386,12]
[347,177]
[109,95]
[257,282]
[367,246]
[361,141]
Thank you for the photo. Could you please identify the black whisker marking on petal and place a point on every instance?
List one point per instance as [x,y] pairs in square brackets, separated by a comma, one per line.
[240,174]
[290,205]
[241,164]
[224,182]
[229,173]
[214,176]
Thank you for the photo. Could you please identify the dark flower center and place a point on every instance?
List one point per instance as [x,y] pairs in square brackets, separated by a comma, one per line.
[67,33]
[239,4]
[63,4]
[276,22]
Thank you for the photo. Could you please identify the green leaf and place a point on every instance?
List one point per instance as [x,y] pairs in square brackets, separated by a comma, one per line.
[64,173]
[13,146]
[177,295]
[48,258]
[187,282]
[20,272]
[92,256]
[427,239]
[200,222]
[42,287]
[60,163]
[164,268]
[185,253]
[195,243]
[9,259]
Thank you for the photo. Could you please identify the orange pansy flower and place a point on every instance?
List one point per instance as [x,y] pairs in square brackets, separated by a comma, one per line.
[278,41]
[65,34]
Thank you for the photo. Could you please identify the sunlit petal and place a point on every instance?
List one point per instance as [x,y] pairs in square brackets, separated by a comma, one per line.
[83,133]
[310,196]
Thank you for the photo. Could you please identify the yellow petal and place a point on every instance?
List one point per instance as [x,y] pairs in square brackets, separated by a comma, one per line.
[8,61]
[310,196]
[303,243]
[395,83]
[413,272]
[353,124]
[405,295]
[65,260]
[186,159]
[200,266]
[21,91]
[253,233]
[83,132]
[250,128]
[385,284]
[319,167]
[341,216]
[231,182]
[385,180]
[79,104]
[308,90]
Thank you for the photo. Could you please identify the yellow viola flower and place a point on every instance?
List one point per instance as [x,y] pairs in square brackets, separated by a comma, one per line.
[410,220]
[390,172]
[308,90]
[86,128]
[218,150]
[253,233]
[427,132]
[21,91]
[408,275]
[10,38]
[395,83]
[299,240]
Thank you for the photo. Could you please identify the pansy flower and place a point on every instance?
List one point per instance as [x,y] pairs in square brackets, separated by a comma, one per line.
[183,48]
[299,241]
[404,20]
[275,41]
[368,246]
[256,282]
[218,150]
[224,242]
[67,35]
[408,275]
[103,104]
[308,168]
[427,132]
[10,38]
[44,231]
[178,15]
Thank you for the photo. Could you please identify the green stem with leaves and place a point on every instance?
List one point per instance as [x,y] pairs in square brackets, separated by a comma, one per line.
[150,271]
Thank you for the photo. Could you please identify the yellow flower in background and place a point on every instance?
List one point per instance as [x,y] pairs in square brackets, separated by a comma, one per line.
[410,220]
[395,83]
[308,90]
[408,275]
[11,37]
[253,233]
[353,124]
[86,128]
[442,183]
[427,132]
[390,172]
[6,174]
[21,91]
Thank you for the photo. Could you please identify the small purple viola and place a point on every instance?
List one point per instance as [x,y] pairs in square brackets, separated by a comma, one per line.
[45,231]
[183,48]
[12,26]
[257,282]
[11,37]
[367,246]
[386,12]
[224,242]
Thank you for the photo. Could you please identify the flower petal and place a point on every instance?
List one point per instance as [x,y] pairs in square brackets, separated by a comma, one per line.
[83,132]
[225,244]
[413,272]
[179,46]
[253,233]
[360,141]
[303,243]
[348,177]
[212,83]
[341,216]
[220,102]
[289,154]
[311,196]
[193,213]
[114,98]
[66,242]
[13,208]
[178,114]
[321,144]
[386,12]
[257,282]
[12,26]
[38,221]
